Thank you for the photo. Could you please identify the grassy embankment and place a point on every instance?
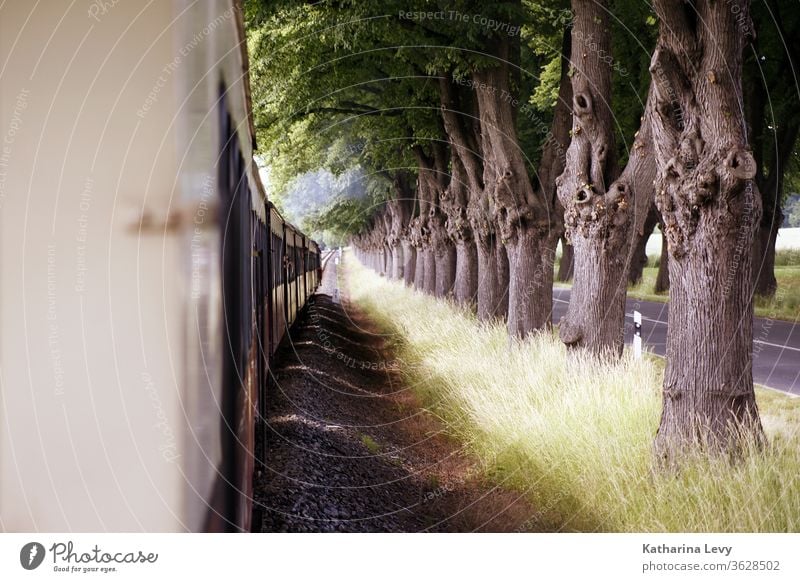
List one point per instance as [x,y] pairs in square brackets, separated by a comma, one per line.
[573,434]
[784,305]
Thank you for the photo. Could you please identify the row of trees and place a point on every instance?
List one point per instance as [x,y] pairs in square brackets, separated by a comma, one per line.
[496,131]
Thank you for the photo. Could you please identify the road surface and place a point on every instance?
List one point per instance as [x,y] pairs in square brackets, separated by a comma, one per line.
[776,344]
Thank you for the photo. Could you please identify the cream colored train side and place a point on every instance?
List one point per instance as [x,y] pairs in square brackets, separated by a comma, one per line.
[145,280]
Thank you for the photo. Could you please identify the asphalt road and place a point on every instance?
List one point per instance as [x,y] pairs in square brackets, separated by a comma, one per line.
[776,344]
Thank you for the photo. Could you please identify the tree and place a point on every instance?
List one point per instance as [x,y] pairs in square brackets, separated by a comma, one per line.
[773,99]
[793,211]
[705,193]
[639,256]
[401,208]
[326,95]
[528,221]
[603,212]
[566,266]
[461,123]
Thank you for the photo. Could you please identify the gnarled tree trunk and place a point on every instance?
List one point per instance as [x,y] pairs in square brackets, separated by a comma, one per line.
[600,216]
[465,187]
[416,236]
[528,222]
[436,246]
[400,209]
[710,208]
[454,202]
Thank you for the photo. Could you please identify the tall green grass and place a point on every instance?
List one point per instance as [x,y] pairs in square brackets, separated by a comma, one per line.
[572,433]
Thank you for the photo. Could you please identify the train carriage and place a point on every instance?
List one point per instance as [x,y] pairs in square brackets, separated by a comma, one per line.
[147,279]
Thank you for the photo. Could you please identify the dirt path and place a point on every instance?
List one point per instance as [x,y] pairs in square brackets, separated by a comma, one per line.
[349,449]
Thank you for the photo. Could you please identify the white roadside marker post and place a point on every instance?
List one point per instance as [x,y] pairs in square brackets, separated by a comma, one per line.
[336,262]
[637,335]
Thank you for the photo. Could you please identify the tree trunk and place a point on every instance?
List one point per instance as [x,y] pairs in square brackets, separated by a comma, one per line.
[436,244]
[454,203]
[662,280]
[773,144]
[401,210]
[409,262]
[503,281]
[466,285]
[463,203]
[445,271]
[531,283]
[397,262]
[387,262]
[566,266]
[429,270]
[416,240]
[528,224]
[419,271]
[601,217]
[444,255]
[490,293]
[710,209]
[764,257]
[639,257]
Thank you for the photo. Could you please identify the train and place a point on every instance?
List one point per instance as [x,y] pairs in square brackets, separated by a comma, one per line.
[147,279]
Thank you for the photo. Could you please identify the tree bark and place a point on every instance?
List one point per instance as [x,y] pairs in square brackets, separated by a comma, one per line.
[466,185]
[662,279]
[639,257]
[401,210]
[566,265]
[489,286]
[441,233]
[710,208]
[409,262]
[765,284]
[770,186]
[454,203]
[387,262]
[437,246]
[429,269]
[602,218]
[528,223]
[415,238]
[772,151]
[465,291]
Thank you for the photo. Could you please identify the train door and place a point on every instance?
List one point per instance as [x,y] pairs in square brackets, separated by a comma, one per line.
[286,277]
[261,302]
[305,269]
[296,258]
[278,321]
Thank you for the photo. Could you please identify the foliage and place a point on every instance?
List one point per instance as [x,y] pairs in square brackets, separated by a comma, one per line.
[339,85]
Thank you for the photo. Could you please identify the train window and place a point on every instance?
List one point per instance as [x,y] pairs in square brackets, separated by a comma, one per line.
[237,242]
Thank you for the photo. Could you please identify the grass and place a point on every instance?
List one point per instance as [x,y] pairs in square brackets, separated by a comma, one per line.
[573,434]
[372,446]
[784,305]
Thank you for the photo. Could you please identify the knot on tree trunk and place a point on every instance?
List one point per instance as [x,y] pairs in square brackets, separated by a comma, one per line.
[584,195]
[741,164]
[582,104]
[617,204]
[587,212]
[569,333]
